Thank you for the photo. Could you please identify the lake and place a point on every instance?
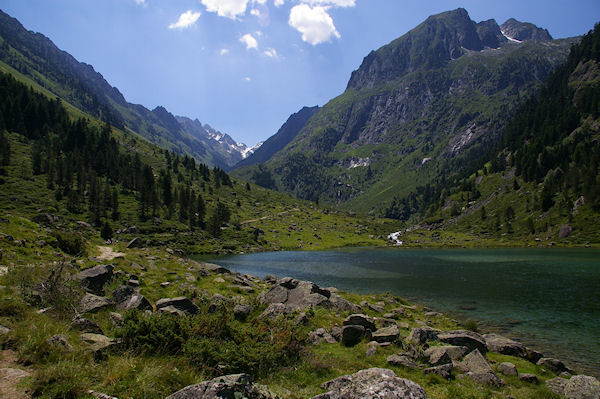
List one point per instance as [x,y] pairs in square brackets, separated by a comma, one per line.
[548,299]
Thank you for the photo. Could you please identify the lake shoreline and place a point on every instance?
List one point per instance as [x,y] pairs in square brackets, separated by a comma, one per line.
[518,329]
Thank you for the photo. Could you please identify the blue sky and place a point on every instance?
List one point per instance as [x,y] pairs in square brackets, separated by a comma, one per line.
[243,66]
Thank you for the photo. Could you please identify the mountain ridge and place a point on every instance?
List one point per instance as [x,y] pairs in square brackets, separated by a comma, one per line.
[417,110]
[37,57]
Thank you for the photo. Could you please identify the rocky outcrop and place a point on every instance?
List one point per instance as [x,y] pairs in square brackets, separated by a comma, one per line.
[478,369]
[524,31]
[557,385]
[360,320]
[444,371]
[582,387]
[401,360]
[98,344]
[320,335]
[505,346]
[181,304]
[91,303]
[300,295]
[61,341]
[420,335]
[507,368]
[86,325]
[94,278]
[126,298]
[372,383]
[386,334]
[437,355]
[352,334]
[233,386]
[470,339]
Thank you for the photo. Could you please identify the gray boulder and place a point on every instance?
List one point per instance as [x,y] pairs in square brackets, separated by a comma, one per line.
[386,334]
[582,387]
[554,365]
[437,355]
[470,339]
[98,344]
[478,369]
[401,360]
[343,305]
[127,298]
[557,385]
[420,335]
[507,368]
[532,355]
[94,278]
[361,320]
[181,303]
[273,311]
[320,335]
[352,334]
[4,330]
[444,371]
[91,303]
[86,325]
[505,346]
[372,383]
[233,386]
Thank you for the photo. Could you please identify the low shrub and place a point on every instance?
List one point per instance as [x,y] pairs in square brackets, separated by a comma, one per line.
[71,243]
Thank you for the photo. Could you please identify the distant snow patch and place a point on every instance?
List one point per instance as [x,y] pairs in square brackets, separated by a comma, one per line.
[395,237]
[425,160]
[510,38]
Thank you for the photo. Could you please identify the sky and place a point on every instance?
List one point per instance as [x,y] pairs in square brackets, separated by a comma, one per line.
[244,66]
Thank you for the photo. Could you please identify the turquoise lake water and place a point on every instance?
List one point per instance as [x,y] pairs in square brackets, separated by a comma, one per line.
[548,299]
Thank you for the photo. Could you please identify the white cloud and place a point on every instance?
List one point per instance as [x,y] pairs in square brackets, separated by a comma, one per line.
[278,3]
[249,41]
[186,20]
[271,52]
[255,12]
[331,3]
[314,23]
[226,8]
[247,79]
[140,2]
[224,51]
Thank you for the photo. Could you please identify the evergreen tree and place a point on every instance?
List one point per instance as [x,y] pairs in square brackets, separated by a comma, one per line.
[106,232]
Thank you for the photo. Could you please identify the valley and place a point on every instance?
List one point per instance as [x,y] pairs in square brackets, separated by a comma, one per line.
[145,255]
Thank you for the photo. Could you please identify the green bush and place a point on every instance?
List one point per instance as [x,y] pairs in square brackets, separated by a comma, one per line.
[72,243]
[214,342]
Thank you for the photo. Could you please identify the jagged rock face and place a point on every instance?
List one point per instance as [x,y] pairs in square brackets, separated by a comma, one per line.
[490,34]
[372,383]
[442,92]
[439,39]
[524,31]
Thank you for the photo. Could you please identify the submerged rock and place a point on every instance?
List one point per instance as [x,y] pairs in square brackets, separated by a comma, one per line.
[372,383]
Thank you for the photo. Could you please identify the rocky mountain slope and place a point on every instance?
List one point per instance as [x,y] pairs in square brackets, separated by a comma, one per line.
[279,140]
[417,111]
[35,56]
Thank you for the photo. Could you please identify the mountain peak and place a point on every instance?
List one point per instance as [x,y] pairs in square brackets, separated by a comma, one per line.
[521,31]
